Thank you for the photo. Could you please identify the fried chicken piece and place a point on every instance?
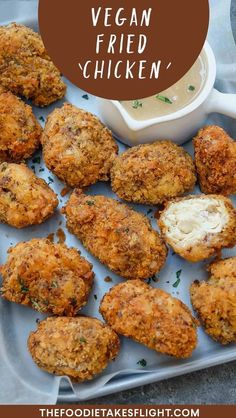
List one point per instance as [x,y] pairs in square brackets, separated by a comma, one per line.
[24,198]
[80,348]
[153,173]
[119,237]
[198,227]
[46,276]
[19,130]
[215,156]
[25,67]
[215,301]
[151,317]
[77,147]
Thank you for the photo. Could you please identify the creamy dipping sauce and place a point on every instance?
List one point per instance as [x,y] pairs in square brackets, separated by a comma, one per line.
[171,100]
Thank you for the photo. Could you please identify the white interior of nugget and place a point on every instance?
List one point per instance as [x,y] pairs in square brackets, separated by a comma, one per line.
[190,221]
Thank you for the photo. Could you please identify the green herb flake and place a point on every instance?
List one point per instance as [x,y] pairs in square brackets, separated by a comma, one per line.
[85,97]
[83,340]
[126,230]
[41,170]
[191,88]
[41,118]
[149,211]
[178,274]
[50,180]
[23,287]
[90,202]
[36,160]
[95,297]
[36,305]
[54,284]
[163,99]
[142,362]
[136,104]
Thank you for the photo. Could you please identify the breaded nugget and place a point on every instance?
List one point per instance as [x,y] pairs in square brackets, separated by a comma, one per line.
[198,227]
[215,301]
[46,276]
[153,173]
[151,317]
[118,236]
[25,67]
[19,130]
[24,198]
[78,347]
[77,147]
[215,156]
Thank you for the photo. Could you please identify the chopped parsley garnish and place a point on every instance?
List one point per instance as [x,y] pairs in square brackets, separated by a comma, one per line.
[164,99]
[142,362]
[41,170]
[54,284]
[82,340]
[178,274]
[36,305]
[23,287]
[149,211]
[36,160]
[191,88]
[90,202]
[41,118]
[136,104]
[50,179]
[95,297]
[85,97]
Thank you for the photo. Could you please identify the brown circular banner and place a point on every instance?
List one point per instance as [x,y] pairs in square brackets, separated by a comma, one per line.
[126,49]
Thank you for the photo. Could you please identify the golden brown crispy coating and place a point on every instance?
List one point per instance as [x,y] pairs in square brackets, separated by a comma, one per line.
[78,347]
[215,156]
[198,227]
[25,67]
[215,301]
[151,317]
[118,236]
[77,147]
[46,276]
[19,130]
[24,198]
[153,173]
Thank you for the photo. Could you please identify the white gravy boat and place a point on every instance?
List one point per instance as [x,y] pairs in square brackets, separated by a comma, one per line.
[179,126]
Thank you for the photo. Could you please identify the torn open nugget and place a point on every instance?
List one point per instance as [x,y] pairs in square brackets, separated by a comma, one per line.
[19,130]
[25,67]
[153,173]
[215,156]
[46,276]
[118,236]
[198,227]
[24,198]
[215,300]
[151,317]
[80,348]
[77,147]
